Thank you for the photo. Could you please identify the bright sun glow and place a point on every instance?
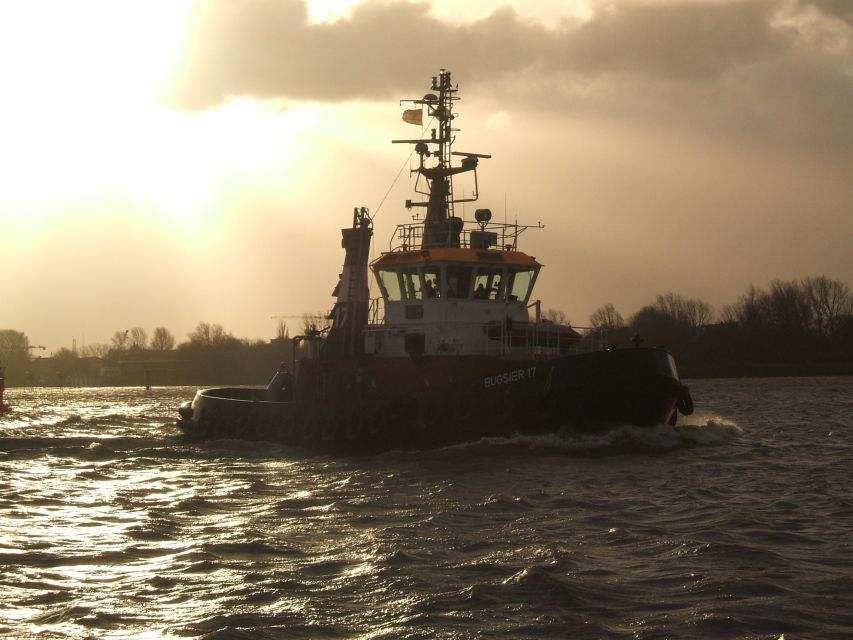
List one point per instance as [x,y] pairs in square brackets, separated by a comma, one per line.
[329,10]
[82,127]
[82,123]
[79,91]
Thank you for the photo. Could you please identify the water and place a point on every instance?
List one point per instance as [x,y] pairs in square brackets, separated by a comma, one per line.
[737,524]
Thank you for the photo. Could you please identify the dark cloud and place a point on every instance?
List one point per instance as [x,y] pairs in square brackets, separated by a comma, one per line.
[683,41]
[842,9]
[267,48]
[732,63]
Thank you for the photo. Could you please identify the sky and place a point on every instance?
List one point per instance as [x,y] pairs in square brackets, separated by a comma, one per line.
[165,162]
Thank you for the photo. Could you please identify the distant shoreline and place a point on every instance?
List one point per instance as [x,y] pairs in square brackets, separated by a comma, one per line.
[815,370]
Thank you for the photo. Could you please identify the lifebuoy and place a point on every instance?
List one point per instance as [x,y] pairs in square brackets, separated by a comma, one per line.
[685,403]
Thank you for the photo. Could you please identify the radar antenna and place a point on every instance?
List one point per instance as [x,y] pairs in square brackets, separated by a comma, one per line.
[441,228]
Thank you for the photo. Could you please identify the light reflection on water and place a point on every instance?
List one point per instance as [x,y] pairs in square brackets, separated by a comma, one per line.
[735,525]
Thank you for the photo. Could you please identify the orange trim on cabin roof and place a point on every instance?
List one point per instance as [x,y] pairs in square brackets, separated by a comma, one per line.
[455,254]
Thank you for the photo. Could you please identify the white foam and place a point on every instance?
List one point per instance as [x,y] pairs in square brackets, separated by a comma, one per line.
[703,429]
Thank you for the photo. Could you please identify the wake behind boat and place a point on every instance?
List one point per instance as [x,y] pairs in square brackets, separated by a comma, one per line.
[449,352]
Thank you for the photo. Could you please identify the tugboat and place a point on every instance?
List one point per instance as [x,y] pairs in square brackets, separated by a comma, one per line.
[453,350]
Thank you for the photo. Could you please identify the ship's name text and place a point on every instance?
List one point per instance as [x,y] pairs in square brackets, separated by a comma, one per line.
[508,377]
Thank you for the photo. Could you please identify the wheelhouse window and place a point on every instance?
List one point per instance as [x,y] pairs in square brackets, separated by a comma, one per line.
[389,281]
[520,283]
[411,283]
[458,282]
[432,283]
[488,283]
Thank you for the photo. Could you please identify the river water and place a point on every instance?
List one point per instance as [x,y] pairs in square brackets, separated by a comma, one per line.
[737,523]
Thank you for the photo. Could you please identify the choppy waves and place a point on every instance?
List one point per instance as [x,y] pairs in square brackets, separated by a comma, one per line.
[617,440]
[733,524]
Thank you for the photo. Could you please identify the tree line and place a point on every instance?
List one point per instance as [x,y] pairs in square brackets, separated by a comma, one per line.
[792,327]
[209,355]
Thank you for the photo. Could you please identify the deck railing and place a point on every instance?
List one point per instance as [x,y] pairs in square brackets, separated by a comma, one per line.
[536,339]
[375,310]
[409,236]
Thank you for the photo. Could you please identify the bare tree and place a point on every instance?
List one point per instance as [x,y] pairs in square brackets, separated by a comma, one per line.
[121,340]
[795,307]
[316,321]
[698,312]
[207,334]
[789,307]
[281,331]
[729,314]
[65,354]
[606,317]
[830,301]
[138,338]
[556,316]
[751,309]
[693,313]
[201,334]
[95,350]
[13,342]
[162,339]
[14,352]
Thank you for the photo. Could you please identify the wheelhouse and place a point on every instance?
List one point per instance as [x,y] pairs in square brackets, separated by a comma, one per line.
[456,300]
[449,274]
[455,275]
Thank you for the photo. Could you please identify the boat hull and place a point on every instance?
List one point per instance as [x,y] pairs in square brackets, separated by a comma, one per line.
[368,405]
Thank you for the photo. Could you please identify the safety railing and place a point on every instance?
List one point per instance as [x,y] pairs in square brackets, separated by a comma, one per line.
[501,236]
[375,310]
[533,339]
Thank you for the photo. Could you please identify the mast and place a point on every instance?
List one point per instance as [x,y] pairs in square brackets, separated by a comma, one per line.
[441,228]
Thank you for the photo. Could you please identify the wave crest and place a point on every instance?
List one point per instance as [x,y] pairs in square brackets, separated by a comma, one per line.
[619,439]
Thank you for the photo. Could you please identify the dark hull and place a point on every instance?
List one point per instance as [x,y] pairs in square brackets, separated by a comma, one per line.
[367,405]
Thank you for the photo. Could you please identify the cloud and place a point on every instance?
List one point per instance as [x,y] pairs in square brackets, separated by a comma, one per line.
[498,120]
[266,48]
[754,67]
[681,41]
[841,9]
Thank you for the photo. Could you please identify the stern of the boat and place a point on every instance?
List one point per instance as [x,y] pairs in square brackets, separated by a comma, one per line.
[248,413]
